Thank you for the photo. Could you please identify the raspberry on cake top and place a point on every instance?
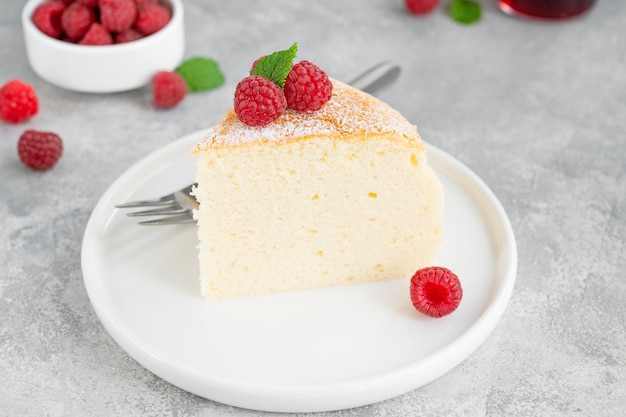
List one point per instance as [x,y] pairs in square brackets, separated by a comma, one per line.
[344,115]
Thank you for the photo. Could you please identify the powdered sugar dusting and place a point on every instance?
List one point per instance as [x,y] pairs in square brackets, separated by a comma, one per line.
[349,112]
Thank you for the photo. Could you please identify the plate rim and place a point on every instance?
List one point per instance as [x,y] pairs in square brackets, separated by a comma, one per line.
[334,395]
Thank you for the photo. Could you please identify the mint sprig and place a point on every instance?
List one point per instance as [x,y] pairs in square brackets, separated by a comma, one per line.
[201,73]
[465,11]
[277,65]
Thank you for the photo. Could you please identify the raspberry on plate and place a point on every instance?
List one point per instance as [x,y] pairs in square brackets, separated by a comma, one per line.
[435,291]
[18,101]
[97,35]
[168,89]
[307,87]
[39,150]
[259,101]
[117,15]
[77,20]
[47,18]
[151,17]
[421,6]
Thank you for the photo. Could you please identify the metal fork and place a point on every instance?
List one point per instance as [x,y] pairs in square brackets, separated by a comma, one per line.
[178,207]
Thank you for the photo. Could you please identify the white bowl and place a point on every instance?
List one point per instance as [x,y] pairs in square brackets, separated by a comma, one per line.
[108,68]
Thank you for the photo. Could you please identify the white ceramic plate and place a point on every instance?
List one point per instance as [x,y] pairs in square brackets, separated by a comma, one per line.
[303,351]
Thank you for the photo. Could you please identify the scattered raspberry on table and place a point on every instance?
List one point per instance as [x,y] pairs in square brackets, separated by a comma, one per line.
[421,6]
[39,150]
[168,89]
[18,101]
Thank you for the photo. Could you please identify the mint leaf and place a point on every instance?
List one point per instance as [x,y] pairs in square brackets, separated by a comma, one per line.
[201,74]
[276,66]
[465,11]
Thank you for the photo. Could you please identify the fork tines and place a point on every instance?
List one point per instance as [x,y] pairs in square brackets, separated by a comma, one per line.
[176,208]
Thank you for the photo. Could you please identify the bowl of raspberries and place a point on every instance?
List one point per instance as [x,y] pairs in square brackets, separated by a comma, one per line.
[103,46]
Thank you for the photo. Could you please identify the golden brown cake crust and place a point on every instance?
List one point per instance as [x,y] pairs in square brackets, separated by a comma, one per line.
[350,113]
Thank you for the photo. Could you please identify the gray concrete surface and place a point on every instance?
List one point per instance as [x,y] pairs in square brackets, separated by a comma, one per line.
[538,110]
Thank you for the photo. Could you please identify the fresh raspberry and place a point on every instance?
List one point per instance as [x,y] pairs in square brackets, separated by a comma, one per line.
[77,20]
[168,88]
[127,36]
[254,64]
[307,87]
[18,101]
[39,150]
[97,35]
[435,291]
[421,6]
[66,2]
[151,17]
[88,3]
[47,18]
[258,101]
[117,15]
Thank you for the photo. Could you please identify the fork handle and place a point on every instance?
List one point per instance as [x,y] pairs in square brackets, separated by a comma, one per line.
[377,77]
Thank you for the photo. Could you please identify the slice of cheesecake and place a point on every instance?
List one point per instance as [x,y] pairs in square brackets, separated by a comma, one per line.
[343,195]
